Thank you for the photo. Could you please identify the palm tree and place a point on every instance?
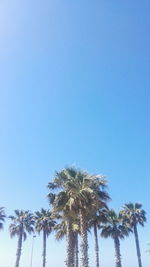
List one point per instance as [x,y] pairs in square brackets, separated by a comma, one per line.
[44,223]
[117,230]
[23,223]
[2,217]
[61,232]
[59,202]
[87,196]
[95,222]
[80,194]
[134,215]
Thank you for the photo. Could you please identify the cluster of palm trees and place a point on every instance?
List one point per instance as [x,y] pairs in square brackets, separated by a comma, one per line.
[25,222]
[78,203]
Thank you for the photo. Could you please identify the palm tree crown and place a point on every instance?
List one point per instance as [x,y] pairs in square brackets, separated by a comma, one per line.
[23,221]
[78,189]
[134,214]
[44,221]
[114,227]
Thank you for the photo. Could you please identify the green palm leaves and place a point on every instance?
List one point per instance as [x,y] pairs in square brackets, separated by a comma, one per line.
[134,214]
[115,226]
[77,190]
[44,221]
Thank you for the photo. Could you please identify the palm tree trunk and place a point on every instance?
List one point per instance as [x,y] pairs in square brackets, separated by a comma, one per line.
[137,246]
[96,245]
[18,254]
[84,240]
[70,249]
[44,248]
[117,250]
[73,248]
[76,251]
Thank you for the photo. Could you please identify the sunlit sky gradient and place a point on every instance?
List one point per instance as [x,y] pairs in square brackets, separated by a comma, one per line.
[74,89]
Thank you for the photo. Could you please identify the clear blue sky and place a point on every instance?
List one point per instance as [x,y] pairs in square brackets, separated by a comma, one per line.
[75,89]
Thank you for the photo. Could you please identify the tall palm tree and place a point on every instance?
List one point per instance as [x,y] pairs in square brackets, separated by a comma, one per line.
[23,223]
[2,217]
[80,194]
[44,222]
[87,195]
[58,198]
[95,222]
[117,230]
[134,215]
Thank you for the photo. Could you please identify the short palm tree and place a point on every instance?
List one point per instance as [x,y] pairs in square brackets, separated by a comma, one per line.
[59,207]
[44,222]
[115,229]
[2,217]
[95,222]
[80,194]
[61,232]
[23,223]
[134,215]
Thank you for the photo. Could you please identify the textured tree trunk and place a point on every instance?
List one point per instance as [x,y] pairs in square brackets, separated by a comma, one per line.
[84,240]
[44,248]
[96,245]
[69,249]
[117,250]
[76,252]
[18,254]
[137,246]
[73,237]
